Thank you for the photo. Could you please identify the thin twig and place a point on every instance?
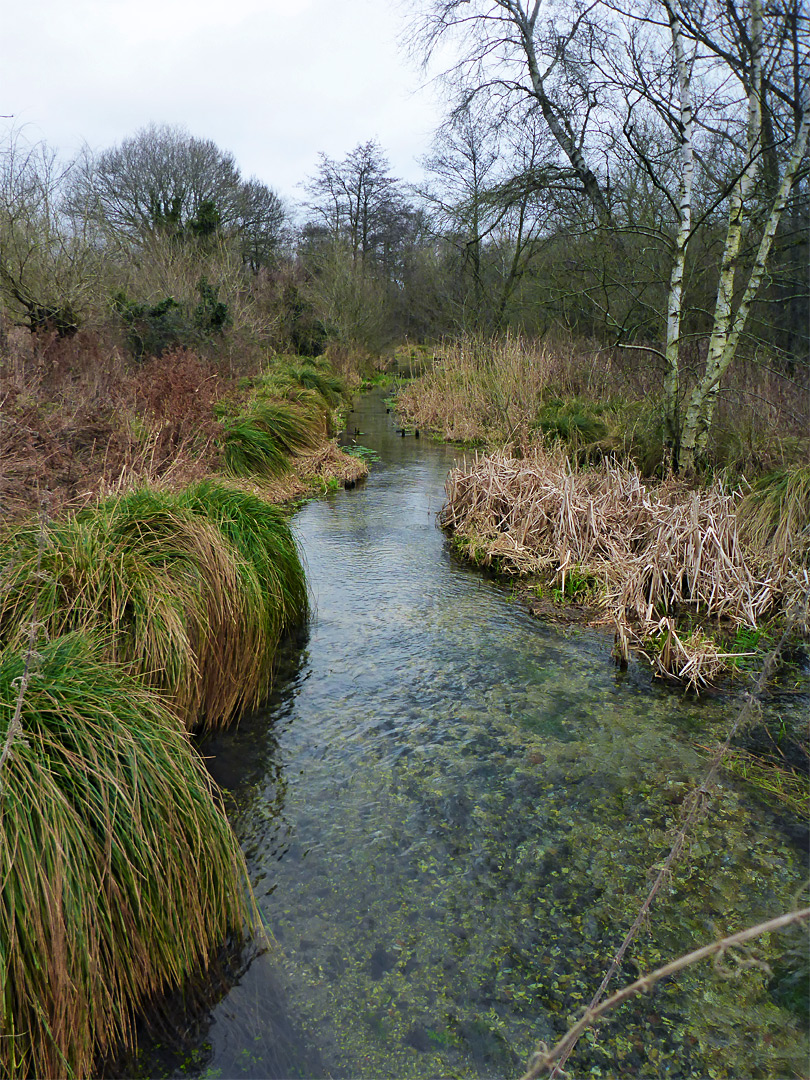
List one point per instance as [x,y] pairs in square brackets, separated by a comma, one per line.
[545,1058]
[697,804]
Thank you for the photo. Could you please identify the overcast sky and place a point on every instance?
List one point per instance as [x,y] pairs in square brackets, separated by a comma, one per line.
[273,81]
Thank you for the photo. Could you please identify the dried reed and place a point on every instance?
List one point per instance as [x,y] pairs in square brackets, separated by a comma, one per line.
[662,554]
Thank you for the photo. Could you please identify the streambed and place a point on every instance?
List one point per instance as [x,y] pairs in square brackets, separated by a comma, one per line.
[449,812]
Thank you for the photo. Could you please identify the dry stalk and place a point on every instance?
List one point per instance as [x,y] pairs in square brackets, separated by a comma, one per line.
[659,552]
[554,1058]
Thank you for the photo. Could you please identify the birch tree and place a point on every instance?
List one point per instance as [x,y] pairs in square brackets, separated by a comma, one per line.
[738,285]
[605,91]
[675,296]
[752,178]
[527,50]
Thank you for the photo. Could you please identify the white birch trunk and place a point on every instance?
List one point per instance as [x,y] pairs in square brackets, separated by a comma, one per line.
[675,297]
[701,406]
[701,403]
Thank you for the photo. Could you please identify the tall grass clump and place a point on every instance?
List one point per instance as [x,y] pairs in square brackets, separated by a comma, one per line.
[286,378]
[120,872]
[774,516]
[272,578]
[261,438]
[169,591]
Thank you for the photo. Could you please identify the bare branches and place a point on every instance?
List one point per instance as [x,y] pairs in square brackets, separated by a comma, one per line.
[546,1059]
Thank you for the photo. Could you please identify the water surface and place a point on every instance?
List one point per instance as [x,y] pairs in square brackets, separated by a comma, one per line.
[450,811]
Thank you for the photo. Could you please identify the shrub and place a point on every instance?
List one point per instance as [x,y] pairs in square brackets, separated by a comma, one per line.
[151,329]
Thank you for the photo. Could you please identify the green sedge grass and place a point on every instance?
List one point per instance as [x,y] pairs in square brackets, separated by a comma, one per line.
[120,872]
[191,591]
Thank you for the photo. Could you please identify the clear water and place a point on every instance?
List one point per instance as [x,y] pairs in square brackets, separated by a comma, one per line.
[450,811]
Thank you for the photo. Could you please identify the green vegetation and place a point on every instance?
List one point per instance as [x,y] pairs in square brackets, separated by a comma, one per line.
[191,591]
[572,421]
[152,329]
[288,411]
[261,534]
[120,872]
[775,515]
[365,453]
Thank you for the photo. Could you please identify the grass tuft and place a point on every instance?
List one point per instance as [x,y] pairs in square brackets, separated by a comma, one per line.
[775,515]
[169,589]
[120,871]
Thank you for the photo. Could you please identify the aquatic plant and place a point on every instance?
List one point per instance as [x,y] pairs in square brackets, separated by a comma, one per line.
[120,871]
[167,590]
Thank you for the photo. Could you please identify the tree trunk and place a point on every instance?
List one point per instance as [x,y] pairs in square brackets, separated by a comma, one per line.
[675,296]
[728,325]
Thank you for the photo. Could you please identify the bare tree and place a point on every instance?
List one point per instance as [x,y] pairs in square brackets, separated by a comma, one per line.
[461,168]
[356,202]
[163,181]
[508,50]
[49,262]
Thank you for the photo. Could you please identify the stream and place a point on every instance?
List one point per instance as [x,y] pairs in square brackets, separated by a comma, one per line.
[450,810]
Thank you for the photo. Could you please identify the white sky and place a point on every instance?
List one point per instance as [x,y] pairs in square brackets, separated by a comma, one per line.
[273,81]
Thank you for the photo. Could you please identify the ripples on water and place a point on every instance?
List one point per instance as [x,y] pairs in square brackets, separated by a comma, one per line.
[449,811]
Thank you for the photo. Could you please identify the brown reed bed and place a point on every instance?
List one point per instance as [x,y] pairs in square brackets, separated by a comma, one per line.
[669,564]
[598,401]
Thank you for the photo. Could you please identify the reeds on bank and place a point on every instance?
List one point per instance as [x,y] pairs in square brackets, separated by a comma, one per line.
[120,873]
[157,611]
[670,562]
[191,590]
